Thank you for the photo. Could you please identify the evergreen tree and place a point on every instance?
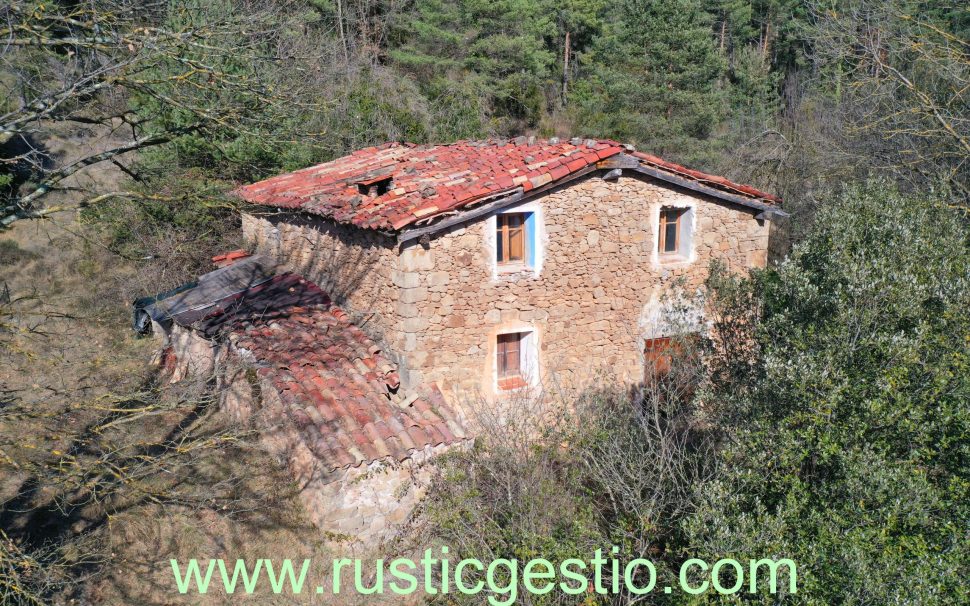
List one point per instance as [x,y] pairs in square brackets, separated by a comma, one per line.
[499,57]
[653,79]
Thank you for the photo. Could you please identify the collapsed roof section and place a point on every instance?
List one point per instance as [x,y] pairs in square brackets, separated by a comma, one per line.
[339,389]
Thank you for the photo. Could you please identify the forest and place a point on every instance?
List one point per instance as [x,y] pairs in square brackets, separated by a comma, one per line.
[830,423]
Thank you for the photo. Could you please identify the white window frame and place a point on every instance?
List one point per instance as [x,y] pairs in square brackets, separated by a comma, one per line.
[686,251]
[538,243]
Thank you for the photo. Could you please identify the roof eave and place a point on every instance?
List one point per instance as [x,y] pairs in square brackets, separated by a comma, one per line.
[757,204]
[608,167]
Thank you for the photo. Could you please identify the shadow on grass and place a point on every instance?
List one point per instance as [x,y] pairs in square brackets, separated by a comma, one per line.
[159,474]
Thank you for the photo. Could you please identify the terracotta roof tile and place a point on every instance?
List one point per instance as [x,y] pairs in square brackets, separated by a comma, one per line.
[426,180]
[338,388]
[229,258]
[430,180]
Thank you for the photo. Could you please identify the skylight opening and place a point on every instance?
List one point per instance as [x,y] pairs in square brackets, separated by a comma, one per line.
[376,187]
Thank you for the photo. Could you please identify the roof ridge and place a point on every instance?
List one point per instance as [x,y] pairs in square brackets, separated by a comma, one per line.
[436,179]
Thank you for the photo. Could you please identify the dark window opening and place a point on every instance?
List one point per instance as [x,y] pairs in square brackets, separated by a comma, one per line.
[375,187]
[510,358]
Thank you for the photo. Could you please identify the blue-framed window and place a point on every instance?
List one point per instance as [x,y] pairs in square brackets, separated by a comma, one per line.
[515,239]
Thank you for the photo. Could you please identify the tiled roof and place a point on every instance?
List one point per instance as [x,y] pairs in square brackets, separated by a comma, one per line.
[715,181]
[342,393]
[264,303]
[431,180]
[427,180]
[340,390]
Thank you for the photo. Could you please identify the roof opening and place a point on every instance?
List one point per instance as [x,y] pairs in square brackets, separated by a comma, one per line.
[375,187]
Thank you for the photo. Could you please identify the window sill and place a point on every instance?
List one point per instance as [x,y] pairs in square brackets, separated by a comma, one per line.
[511,383]
[673,259]
[512,270]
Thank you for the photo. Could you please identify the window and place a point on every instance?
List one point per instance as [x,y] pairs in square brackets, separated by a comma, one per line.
[515,241]
[670,230]
[510,359]
[656,357]
[510,238]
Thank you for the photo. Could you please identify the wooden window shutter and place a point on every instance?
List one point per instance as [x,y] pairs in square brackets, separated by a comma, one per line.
[509,355]
[516,238]
[669,233]
[510,240]
[509,361]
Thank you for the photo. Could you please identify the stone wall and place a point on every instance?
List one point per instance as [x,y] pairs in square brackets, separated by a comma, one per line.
[354,266]
[600,286]
[184,352]
[357,507]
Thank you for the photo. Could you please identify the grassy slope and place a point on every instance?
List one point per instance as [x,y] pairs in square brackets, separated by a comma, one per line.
[68,351]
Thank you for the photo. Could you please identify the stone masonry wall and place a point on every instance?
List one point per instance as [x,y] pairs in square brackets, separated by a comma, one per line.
[357,507]
[192,355]
[354,266]
[600,284]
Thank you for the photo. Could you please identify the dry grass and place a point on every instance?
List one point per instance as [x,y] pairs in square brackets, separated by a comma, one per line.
[67,350]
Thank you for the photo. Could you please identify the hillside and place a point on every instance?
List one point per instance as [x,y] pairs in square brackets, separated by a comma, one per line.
[567,177]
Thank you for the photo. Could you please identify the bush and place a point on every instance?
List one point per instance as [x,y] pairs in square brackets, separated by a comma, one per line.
[848,448]
[559,477]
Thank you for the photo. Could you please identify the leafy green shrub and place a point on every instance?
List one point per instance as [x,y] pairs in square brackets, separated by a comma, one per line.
[849,448]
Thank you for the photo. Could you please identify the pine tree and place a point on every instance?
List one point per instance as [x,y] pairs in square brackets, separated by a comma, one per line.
[494,52]
[654,78]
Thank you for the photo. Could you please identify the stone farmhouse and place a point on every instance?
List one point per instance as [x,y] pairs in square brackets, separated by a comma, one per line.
[388,286]
[484,265]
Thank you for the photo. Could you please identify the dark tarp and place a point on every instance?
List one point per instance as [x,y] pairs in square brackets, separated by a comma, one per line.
[197,300]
